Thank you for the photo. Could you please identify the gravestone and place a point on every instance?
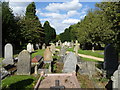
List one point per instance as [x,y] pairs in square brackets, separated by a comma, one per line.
[37,46]
[76,48]
[52,48]
[110,60]
[32,46]
[43,46]
[47,55]
[62,51]
[8,54]
[114,78]
[29,47]
[57,44]
[70,63]
[24,63]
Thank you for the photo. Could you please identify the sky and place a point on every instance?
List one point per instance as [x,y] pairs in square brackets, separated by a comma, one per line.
[60,14]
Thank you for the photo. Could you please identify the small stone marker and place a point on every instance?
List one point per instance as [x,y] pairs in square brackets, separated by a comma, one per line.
[114,78]
[29,47]
[8,54]
[57,44]
[37,46]
[110,60]
[70,63]
[62,51]
[57,86]
[24,63]
[43,46]
[32,47]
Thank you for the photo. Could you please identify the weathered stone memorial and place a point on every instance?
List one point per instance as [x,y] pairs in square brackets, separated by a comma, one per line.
[52,48]
[116,79]
[110,60]
[76,48]
[43,46]
[70,63]
[8,54]
[29,47]
[24,63]
[47,55]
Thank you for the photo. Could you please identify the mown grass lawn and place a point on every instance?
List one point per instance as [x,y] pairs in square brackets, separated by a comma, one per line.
[88,59]
[97,53]
[38,52]
[20,82]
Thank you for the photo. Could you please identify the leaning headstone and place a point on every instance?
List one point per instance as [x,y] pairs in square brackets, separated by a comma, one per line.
[8,54]
[70,63]
[29,47]
[24,63]
[110,60]
[47,55]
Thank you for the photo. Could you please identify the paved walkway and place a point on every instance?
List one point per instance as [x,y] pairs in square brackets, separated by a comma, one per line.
[87,56]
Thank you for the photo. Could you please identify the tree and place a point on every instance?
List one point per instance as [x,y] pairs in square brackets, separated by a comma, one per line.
[50,34]
[31,28]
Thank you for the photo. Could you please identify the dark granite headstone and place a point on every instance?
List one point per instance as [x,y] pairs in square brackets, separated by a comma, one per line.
[24,63]
[110,60]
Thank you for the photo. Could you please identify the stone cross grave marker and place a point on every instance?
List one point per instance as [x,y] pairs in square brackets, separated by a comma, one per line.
[70,63]
[110,59]
[24,63]
[8,54]
[76,48]
[57,86]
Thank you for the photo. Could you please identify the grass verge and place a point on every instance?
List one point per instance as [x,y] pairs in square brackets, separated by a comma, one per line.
[18,81]
[96,53]
[38,52]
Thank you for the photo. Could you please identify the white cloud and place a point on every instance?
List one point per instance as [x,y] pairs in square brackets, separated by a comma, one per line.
[18,7]
[72,13]
[73,5]
[71,21]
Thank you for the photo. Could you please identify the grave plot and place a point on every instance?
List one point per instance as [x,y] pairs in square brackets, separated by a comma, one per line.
[66,80]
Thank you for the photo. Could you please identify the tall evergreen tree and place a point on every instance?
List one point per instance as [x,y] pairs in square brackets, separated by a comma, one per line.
[31,28]
[50,33]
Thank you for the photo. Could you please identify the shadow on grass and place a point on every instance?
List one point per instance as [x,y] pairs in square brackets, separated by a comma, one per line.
[20,85]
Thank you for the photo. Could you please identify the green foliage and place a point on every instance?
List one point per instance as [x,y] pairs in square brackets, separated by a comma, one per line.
[97,53]
[9,25]
[100,25]
[31,28]
[18,82]
[50,34]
